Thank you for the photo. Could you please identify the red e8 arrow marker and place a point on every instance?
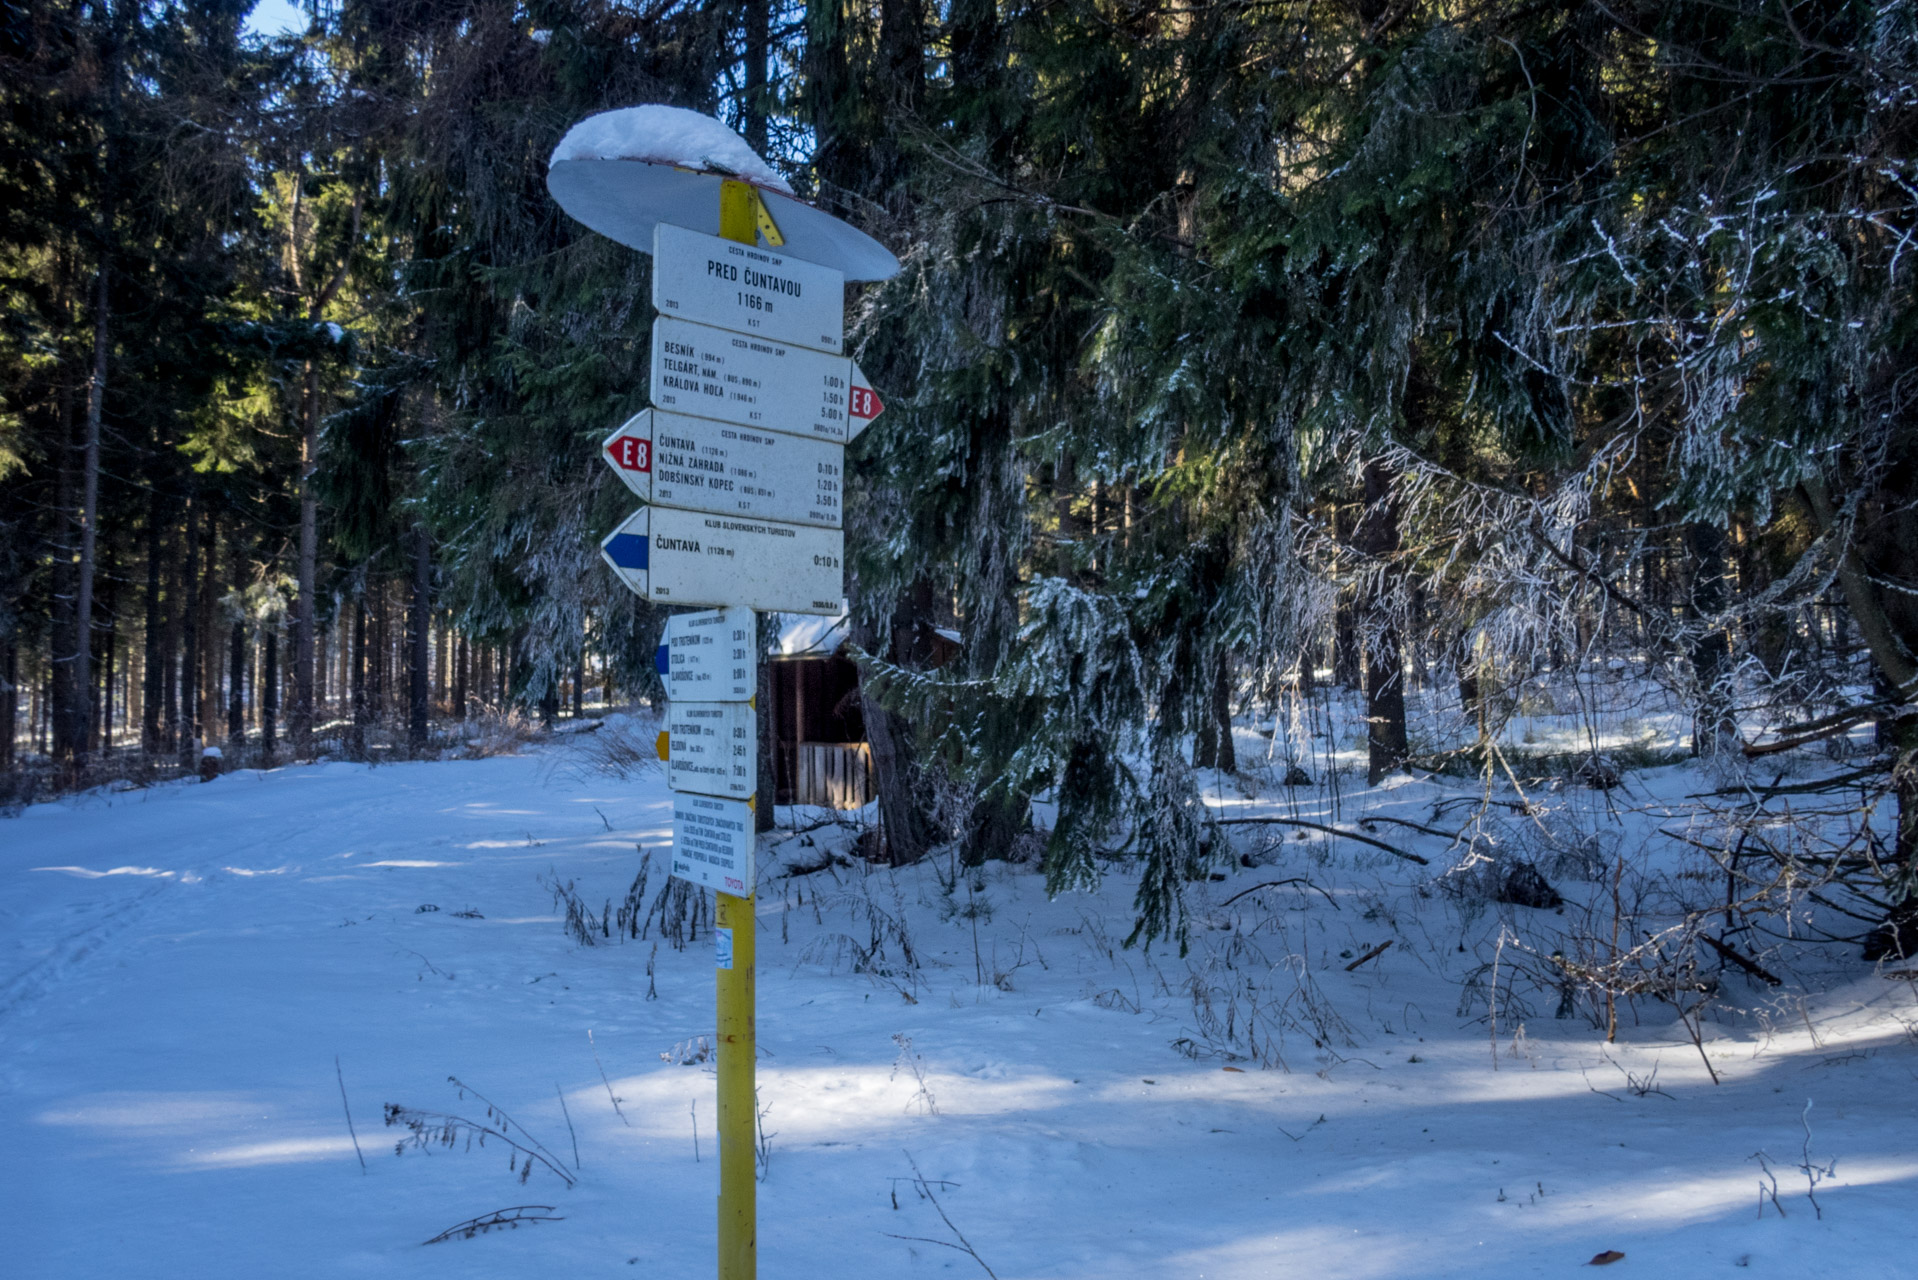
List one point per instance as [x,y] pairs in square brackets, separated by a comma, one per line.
[696,464]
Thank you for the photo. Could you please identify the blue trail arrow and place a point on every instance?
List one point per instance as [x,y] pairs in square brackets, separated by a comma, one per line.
[627,550]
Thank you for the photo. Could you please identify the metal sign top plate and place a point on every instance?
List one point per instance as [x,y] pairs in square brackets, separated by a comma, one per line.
[748,289]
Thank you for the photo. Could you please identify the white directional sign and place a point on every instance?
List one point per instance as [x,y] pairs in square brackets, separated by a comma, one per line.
[713,842]
[748,289]
[712,748]
[712,656]
[688,557]
[702,465]
[755,382]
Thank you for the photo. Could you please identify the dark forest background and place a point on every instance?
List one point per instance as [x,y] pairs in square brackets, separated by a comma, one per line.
[1243,347]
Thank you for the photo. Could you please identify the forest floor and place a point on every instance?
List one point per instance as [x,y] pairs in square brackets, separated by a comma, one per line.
[184,967]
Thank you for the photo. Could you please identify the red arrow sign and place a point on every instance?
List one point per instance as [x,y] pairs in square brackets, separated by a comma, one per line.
[630,453]
[629,450]
[862,403]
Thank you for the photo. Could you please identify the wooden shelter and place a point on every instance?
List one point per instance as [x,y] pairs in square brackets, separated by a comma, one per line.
[817,717]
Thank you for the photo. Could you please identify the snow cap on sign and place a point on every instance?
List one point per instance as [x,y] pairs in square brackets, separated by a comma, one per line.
[666,135]
[624,172]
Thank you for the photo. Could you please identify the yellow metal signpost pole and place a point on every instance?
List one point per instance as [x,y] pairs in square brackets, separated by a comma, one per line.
[735,918]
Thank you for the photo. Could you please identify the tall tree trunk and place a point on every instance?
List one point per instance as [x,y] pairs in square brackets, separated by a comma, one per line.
[897,777]
[1713,729]
[1885,550]
[155,640]
[103,723]
[270,697]
[80,709]
[209,643]
[172,638]
[758,51]
[1470,694]
[236,687]
[90,507]
[9,697]
[304,611]
[322,671]
[188,744]
[1212,746]
[579,680]
[62,634]
[377,656]
[442,659]
[361,710]
[1347,661]
[462,659]
[420,691]
[1386,743]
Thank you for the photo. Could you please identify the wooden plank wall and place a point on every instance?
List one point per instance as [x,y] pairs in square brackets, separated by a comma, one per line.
[835,774]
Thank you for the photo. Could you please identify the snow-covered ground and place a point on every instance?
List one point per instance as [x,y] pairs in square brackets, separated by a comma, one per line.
[184,966]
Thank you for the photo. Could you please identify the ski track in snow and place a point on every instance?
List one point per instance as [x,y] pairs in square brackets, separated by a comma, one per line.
[183,965]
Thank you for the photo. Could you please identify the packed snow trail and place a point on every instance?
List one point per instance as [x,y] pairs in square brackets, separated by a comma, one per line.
[183,966]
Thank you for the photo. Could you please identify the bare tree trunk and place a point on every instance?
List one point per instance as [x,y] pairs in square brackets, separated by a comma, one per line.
[81,682]
[579,680]
[356,739]
[1212,746]
[89,513]
[420,691]
[304,603]
[270,696]
[103,728]
[1713,730]
[549,701]
[758,42]
[897,777]
[377,655]
[172,637]
[442,659]
[62,635]
[1386,742]
[461,666]
[1470,696]
[236,687]
[190,640]
[9,698]
[154,640]
[209,644]
[1347,664]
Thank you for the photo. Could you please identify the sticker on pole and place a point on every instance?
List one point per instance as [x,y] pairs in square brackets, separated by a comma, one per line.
[748,289]
[698,464]
[712,748]
[712,656]
[713,843]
